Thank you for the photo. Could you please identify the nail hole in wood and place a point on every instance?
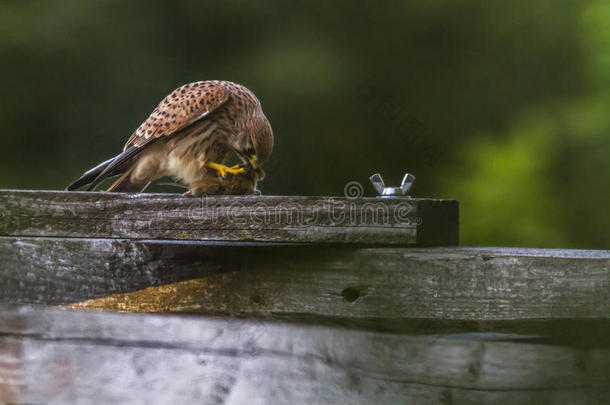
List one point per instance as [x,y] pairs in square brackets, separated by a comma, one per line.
[255,299]
[350,294]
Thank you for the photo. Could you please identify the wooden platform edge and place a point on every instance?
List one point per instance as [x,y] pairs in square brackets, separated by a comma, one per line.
[362,220]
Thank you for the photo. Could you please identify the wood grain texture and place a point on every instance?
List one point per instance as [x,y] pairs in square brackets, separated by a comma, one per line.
[127,358]
[424,222]
[305,260]
[390,284]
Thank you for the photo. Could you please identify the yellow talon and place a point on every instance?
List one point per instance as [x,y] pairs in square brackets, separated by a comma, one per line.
[236,169]
[223,170]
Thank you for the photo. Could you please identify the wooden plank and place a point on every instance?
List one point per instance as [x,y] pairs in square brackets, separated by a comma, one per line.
[372,287]
[55,270]
[125,358]
[424,222]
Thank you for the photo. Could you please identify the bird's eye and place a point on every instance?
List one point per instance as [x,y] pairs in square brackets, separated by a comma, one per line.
[250,151]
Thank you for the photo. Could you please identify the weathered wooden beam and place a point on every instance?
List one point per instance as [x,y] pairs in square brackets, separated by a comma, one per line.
[57,270]
[424,222]
[122,358]
[390,288]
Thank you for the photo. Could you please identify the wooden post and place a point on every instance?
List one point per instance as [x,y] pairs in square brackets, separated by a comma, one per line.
[375,303]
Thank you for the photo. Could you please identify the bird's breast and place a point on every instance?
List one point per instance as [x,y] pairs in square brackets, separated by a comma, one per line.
[188,152]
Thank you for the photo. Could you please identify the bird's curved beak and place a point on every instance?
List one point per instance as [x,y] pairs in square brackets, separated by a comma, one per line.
[253,161]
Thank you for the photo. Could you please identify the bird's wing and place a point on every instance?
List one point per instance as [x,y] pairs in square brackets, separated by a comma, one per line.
[181,108]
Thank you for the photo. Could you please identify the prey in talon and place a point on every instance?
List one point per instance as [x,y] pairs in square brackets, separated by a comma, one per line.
[190,136]
[237,184]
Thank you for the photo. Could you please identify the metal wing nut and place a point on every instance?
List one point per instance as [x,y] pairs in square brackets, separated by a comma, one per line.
[384,191]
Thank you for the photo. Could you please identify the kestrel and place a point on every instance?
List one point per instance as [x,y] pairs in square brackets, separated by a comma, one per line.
[190,136]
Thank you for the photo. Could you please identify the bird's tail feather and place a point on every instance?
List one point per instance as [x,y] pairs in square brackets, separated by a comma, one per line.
[119,165]
[89,175]
[124,184]
[116,166]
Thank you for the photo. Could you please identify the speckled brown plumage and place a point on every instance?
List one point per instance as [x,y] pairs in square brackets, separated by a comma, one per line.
[189,136]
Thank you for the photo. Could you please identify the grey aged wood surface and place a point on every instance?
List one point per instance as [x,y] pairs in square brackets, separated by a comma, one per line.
[56,357]
[423,222]
[320,261]
[388,287]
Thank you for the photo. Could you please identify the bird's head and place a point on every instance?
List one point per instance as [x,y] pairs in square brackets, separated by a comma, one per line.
[257,143]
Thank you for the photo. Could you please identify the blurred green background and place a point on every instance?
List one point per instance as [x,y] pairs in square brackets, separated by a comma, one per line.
[501,105]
